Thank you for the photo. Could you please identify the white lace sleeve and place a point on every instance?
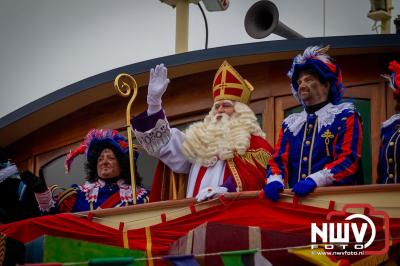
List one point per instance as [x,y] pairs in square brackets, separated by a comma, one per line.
[165,144]
[153,139]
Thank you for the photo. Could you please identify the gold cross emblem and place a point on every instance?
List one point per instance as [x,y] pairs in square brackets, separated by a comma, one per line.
[327,135]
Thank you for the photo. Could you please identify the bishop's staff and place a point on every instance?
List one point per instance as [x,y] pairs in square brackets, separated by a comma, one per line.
[124,84]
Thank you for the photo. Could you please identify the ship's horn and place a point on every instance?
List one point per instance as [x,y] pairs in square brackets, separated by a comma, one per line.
[262,19]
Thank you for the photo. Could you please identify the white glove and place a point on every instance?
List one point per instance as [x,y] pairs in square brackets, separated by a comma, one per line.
[158,83]
[208,192]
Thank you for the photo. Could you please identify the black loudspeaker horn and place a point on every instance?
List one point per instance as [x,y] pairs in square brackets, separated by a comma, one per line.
[262,19]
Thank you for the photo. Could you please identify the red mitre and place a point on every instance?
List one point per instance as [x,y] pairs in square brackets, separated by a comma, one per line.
[229,85]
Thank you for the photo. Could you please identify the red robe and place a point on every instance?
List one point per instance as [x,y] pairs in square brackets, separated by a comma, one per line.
[248,171]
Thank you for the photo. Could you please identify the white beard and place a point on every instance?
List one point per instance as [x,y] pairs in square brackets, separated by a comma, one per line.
[219,139]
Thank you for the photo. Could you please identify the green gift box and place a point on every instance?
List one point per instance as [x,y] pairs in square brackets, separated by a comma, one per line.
[47,249]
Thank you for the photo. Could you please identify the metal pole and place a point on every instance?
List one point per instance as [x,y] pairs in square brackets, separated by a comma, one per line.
[323,17]
[182,26]
[386,23]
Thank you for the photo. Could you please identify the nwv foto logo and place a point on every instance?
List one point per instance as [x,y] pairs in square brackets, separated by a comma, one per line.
[338,233]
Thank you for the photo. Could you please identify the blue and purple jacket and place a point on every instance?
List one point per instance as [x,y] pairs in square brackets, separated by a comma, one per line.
[389,155]
[324,146]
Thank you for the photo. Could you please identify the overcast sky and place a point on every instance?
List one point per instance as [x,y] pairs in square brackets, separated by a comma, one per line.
[46,45]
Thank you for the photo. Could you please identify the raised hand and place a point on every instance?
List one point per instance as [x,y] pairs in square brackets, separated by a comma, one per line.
[158,83]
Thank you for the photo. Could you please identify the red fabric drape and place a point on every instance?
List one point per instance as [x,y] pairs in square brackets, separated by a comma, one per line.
[280,216]
[263,213]
[63,225]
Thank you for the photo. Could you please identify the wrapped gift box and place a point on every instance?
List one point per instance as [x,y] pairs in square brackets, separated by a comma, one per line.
[56,249]
[215,237]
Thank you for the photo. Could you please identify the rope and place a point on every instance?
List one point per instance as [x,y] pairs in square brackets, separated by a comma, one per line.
[219,253]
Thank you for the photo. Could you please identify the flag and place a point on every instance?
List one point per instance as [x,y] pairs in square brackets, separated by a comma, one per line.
[185,260]
[123,261]
[316,256]
[43,264]
[244,258]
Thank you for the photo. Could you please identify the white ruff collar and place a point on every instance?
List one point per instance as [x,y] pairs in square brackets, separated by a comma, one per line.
[390,121]
[92,190]
[325,116]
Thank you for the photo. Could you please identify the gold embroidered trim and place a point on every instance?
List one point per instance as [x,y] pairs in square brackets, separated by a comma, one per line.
[260,156]
[395,154]
[235,174]
[301,151]
[311,148]
[395,159]
[125,238]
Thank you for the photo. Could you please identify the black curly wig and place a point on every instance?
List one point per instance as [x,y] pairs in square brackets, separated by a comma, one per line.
[123,160]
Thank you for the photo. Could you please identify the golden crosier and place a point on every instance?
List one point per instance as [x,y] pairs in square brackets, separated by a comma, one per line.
[125,84]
